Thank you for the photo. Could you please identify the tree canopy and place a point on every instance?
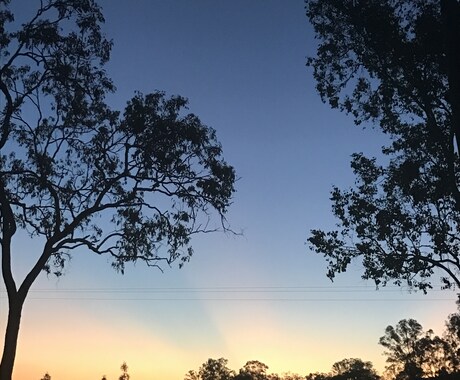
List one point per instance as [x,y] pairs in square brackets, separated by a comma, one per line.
[353,369]
[403,349]
[394,64]
[253,370]
[134,184]
[413,354]
[212,369]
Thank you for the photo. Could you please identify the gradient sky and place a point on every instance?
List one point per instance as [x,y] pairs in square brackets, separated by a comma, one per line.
[262,296]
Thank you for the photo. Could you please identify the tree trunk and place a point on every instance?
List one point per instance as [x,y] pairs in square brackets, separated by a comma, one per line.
[11,336]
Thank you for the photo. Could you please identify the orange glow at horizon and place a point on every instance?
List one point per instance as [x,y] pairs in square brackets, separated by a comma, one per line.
[60,353]
[254,334]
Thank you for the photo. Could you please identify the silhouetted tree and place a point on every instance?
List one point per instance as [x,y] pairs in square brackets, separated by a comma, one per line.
[75,174]
[353,369]
[438,355]
[402,349]
[413,353]
[124,375]
[46,377]
[394,64]
[253,370]
[452,337]
[215,369]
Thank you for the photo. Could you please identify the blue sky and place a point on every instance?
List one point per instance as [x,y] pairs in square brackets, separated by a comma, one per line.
[242,65]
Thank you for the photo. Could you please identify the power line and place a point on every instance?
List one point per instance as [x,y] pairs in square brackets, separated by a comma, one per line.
[251,299]
[224,293]
[232,289]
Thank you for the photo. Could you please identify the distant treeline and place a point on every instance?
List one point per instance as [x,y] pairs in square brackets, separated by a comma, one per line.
[411,352]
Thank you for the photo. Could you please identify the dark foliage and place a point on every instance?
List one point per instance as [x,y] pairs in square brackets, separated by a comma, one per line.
[394,64]
[413,354]
[353,369]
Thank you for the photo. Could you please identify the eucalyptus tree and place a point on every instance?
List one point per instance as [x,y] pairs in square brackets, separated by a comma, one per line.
[353,369]
[413,353]
[215,369]
[253,370]
[394,64]
[404,357]
[132,185]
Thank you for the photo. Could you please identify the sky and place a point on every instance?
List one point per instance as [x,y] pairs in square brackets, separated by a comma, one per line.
[262,295]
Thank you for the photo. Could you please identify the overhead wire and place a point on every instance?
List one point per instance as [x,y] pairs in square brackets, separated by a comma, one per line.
[226,293]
